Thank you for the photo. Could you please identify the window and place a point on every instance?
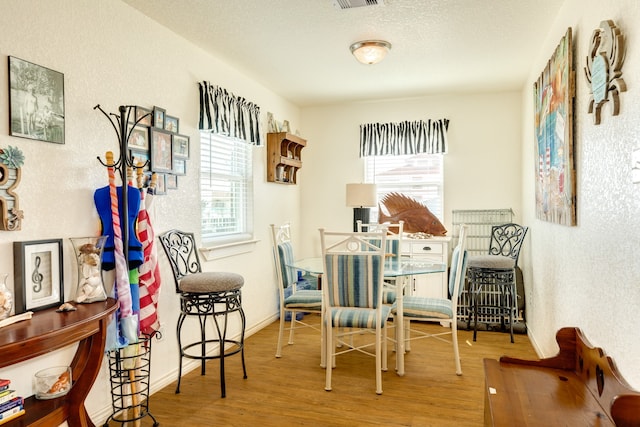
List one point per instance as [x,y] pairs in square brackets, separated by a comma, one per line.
[226,193]
[419,176]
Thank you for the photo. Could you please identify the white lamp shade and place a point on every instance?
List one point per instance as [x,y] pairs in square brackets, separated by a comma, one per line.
[361,195]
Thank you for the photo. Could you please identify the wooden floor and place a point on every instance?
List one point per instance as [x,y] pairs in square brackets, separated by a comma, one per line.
[290,390]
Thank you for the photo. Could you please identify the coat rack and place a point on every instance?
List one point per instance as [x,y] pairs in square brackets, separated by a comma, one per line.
[123,161]
[129,390]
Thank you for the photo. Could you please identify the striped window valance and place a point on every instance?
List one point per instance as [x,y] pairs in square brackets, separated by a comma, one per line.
[224,113]
[384,139]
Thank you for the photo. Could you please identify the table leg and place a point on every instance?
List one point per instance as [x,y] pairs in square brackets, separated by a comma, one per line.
[87,361]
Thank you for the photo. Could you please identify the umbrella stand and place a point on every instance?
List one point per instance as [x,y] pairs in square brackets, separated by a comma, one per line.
[130,369]
[130,366]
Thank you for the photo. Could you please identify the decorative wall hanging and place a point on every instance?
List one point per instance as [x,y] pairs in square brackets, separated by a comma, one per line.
[38,274]
[36,100]
[158,117]
[153,141]
[171,182]
[139,138]
[161,184]
[11,160]
[160,150]
[604,69]
[143,116]
[171,123]
[179,166]
[180,146]
[554,93]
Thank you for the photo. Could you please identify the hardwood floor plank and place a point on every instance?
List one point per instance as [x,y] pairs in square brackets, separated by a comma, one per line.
[290,390]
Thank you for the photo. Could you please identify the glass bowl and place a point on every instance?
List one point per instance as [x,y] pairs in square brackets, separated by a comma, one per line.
[53,382]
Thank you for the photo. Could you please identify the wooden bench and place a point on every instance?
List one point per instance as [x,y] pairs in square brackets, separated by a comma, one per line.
[580,386]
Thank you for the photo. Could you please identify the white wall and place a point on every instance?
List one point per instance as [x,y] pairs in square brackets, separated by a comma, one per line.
[588,275]
[112,55]
[482,166]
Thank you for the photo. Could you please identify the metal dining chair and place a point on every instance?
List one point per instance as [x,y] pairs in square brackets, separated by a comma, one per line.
[204,295]
[352,296]
[495,274]
[442,310]
[393,251]
[291,300]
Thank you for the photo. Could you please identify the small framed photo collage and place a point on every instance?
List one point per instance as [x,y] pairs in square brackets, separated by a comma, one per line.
[156,144]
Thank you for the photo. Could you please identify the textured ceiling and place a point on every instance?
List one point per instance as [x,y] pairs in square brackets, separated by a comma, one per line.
[300,48]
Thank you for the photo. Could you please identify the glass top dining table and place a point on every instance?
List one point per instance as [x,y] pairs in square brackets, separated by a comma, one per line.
[393,267]
[401,269]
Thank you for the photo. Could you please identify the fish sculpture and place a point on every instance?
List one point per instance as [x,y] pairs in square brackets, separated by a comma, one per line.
[417,217]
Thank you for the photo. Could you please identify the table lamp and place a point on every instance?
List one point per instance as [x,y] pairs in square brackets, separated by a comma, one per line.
[361,197]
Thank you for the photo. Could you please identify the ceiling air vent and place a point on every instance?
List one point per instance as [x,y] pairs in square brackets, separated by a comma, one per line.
[350,4]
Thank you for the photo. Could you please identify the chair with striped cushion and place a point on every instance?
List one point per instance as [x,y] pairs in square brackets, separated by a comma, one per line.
[393,251]
[292,300]
[352,288]
[440,309]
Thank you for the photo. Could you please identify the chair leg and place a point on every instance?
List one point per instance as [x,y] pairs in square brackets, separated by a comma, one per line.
[469,307]
[512,301]
[202,319]
[280,333]
[378,360]
[323,341]
[476,292]
[329,345]
[456,350]
[222,340]
[180,350]
[407,335]
[244,324]
[384,349]
[292,325]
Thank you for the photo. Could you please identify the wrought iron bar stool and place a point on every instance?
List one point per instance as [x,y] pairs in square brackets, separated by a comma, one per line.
[214,295]
[496,273]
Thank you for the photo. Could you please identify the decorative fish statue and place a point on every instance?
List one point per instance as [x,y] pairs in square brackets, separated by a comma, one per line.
[417,217]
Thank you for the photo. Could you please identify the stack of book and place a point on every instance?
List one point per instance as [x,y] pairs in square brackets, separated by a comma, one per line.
[11,405]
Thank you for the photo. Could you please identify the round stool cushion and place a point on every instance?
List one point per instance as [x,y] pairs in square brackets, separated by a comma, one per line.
[208,282]
[490,261]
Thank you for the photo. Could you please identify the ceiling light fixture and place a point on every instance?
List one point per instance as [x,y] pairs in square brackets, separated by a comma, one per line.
[370,51]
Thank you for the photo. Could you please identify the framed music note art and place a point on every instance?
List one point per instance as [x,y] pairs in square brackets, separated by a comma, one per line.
[38,272]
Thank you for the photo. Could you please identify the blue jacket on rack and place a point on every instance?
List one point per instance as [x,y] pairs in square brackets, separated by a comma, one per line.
[102,199]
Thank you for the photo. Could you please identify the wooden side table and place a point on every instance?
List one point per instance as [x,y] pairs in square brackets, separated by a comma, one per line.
[49,330]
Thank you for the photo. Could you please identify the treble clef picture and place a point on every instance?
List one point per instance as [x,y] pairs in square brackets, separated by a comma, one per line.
[36,277]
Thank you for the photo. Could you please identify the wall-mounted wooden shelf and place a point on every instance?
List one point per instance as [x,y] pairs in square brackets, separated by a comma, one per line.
[284,157]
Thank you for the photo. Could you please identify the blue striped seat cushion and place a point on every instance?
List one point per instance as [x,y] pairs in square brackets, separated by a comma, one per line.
[358,317]
[389,294]
[425,307]
[285,250]
[353,280]
[310,299]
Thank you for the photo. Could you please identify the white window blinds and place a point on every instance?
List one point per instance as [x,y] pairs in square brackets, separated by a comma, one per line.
[226,192]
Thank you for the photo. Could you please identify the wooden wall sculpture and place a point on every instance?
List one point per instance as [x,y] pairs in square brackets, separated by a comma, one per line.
[604,69]
[11,161]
